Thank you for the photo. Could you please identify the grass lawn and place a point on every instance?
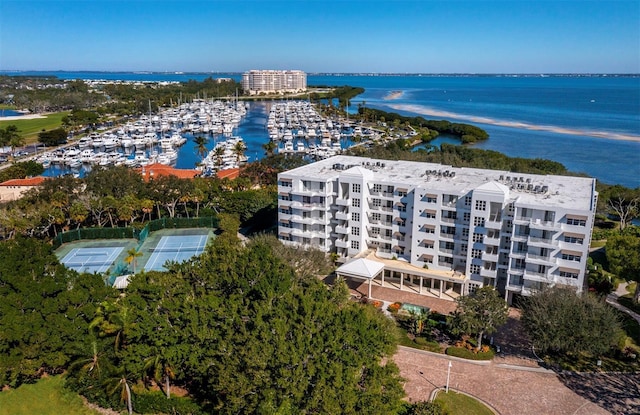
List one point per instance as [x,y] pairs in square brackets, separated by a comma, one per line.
[47,396]
[460,404]
[29,129]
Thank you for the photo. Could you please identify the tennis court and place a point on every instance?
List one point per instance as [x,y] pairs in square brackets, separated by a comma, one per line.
[176,248]
[93,259]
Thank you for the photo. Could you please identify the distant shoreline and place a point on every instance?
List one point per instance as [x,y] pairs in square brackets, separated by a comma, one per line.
[514,124]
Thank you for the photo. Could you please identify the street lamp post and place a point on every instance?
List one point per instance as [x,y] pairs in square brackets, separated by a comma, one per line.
[448,374]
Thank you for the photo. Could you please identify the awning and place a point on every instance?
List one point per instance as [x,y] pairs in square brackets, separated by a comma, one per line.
[579,217]
[570,270]
[574,235]
[574,253]
[402,189]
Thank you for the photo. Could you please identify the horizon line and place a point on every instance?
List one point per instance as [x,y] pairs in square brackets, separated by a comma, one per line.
[338,72]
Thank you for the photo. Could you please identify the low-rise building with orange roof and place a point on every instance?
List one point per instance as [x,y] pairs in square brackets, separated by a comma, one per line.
[14,189]
[157,170]
[228,173]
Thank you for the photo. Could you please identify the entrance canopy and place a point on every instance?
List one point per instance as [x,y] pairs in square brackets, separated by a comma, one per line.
[361,268]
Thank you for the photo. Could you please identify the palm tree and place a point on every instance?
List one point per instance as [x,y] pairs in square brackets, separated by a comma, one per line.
[201,145]
[113,319]
[161,371]
[91,363]
[269,147]
[132,258]
[239,149]
[11,136]
[121,383]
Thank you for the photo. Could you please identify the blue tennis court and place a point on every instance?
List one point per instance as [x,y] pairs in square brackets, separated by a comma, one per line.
[177,248]
[91,260]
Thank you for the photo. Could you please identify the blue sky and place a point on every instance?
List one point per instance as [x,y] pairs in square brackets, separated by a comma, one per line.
[515,36]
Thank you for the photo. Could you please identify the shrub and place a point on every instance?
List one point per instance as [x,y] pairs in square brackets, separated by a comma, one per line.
[394,307]
[469,354]
[157,402]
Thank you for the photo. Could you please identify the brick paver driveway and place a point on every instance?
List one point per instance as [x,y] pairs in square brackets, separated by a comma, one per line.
[520,392]
[512,383]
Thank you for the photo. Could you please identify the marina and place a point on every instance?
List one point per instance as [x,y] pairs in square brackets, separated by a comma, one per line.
[170,138]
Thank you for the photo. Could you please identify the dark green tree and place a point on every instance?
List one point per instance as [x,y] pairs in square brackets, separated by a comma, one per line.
[623,255]
[479,313]
[561,322]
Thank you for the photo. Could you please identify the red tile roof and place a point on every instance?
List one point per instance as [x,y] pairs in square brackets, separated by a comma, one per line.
[228,173]
[29,181]
[157,169]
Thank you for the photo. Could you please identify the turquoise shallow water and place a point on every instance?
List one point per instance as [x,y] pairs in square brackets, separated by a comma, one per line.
[587,123]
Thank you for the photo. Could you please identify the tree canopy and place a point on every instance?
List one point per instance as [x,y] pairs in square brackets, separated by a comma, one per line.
[560,321]
[479,313]
[623,255]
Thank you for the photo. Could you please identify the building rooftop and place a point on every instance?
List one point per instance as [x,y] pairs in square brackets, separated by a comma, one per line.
[157,169]
[29,181]
[569,192]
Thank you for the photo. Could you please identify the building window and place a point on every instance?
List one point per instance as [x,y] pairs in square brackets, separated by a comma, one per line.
[355,202]
[355,216]
[511,208]
[355,187]
[476,253]
[377,188]
[355,245]
[576,222]
[306,200]
[466,217]
[375,231]
[566,274]
[355,231]
[431,199]
[375,217]
[478,237]
[474,269]
[429,214]
[402,208]
[478,221]
[465,232]
[284,197]
[284,184]
[285,224]
[402,193]
[570,257]
[403,222]
[467,200]
[573,240]
[481,205]
[376,202]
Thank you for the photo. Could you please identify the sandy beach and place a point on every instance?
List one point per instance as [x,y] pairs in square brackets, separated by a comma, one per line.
[393,95]
[22,117]
[418,109]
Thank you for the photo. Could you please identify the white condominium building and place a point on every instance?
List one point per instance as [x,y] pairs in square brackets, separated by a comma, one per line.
[439,230]
[273,82]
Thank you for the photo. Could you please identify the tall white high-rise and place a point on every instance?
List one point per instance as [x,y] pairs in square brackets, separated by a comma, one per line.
[255,82]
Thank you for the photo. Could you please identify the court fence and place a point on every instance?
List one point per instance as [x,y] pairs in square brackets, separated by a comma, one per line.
[132,232]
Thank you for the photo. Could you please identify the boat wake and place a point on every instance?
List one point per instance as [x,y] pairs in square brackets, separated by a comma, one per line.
[422,110]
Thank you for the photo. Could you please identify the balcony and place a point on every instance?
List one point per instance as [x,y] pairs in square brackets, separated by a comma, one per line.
[493,224]
[486,256]
[544,225]
[448,220]
[342,230]
[342,243]
[537,276]
[486,272]
[343,202]
[543,242]
[540,259]
[282,202]
[520,237]
[342,215]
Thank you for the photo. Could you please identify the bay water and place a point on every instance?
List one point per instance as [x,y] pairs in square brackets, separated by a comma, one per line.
[591,124]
